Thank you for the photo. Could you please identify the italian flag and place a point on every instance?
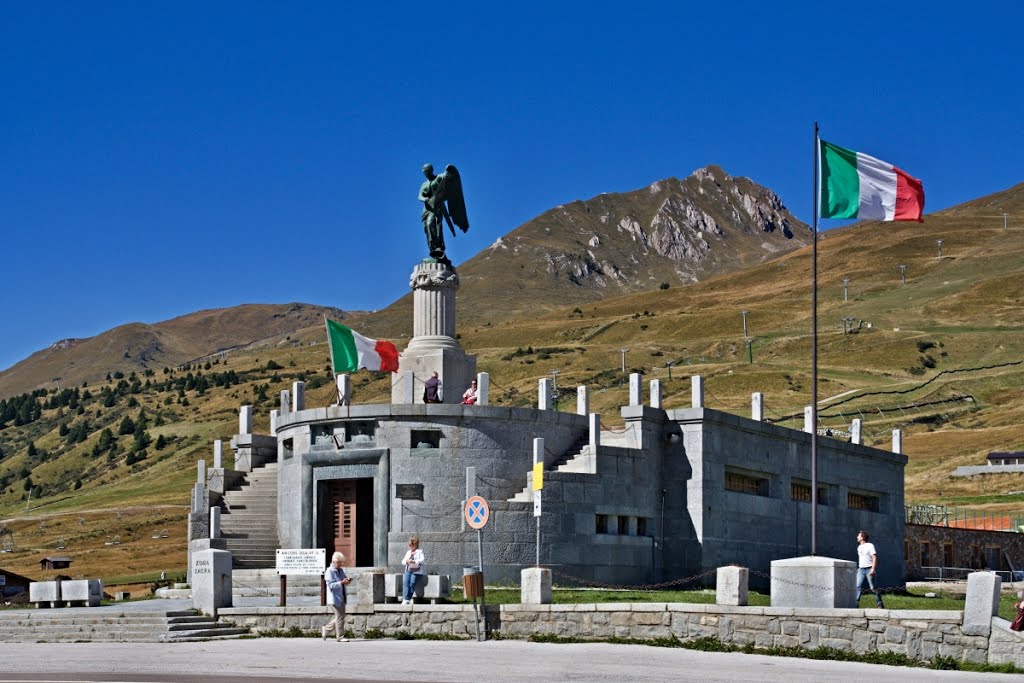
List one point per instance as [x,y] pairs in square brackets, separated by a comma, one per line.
[855,185]
[351,350]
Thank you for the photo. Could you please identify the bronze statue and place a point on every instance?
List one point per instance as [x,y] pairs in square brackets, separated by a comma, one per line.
[442,202]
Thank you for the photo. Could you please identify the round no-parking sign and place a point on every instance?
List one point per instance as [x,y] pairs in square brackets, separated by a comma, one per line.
[476,512]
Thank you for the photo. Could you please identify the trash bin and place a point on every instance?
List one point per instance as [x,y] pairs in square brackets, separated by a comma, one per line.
[472,582]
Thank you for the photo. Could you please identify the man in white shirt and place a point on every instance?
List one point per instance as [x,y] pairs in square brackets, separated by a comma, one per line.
[867,564]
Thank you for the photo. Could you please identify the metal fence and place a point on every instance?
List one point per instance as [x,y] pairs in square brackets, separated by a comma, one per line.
[960,518]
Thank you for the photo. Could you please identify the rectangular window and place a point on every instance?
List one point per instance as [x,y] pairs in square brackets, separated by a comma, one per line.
[623,525]
[993,558]
[746,483]
[862,501]
[925,560]
[601,524]
[425,438]
[947,555]
[800,491]
[906,550]
[641,526]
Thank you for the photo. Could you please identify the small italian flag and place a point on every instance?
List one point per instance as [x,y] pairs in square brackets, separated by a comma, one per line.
[351,350]
[855,185]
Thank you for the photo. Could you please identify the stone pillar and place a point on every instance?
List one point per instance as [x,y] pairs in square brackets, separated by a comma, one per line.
[286,400]
[731,586]
[201,471]
[483,388]
[298,396]
[344,384]
[656,393]
[697,391]
[214,522]
[636,394]
[274,415]
[211,580]
[897,441]
[434,286]
[982,603]
[757,406]
[582,400]
[433,347]
[218,454]
[245,420]
[595,431]
[406,389]
[808,420]
[855,429]
[535,586]
[544,394]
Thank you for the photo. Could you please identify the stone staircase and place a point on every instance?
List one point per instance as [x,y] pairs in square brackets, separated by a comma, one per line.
[577,458]
[266,583]
[248,520]
[106,624]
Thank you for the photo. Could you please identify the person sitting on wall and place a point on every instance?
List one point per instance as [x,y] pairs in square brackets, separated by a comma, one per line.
[432,389]
[414,571]
[469,398]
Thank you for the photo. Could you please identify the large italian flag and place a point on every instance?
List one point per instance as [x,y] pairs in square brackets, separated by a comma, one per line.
[855,185]
[351,350]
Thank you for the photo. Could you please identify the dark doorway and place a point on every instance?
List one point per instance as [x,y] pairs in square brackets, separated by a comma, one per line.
[350,518]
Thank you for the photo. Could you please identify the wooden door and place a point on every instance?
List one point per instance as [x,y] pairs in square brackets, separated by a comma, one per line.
[343,510]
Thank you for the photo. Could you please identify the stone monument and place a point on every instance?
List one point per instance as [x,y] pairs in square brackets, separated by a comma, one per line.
[434,281]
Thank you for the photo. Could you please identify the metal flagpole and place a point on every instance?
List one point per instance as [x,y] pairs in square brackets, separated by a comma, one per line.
[330,348]
[814,356]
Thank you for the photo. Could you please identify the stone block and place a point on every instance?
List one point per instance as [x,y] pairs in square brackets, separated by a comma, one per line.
[211,580]
[731,585]
[368,588]
[535,586]
[83,592]
[430,587]
[44,593]
[821,582]
[982,603]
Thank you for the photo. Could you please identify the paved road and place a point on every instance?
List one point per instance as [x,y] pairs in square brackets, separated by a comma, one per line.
[294,659]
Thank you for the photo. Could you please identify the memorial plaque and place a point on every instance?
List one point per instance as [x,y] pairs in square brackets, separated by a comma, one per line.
[301,561]
[409,491]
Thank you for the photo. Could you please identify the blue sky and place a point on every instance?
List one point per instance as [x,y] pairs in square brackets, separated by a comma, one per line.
[162,158]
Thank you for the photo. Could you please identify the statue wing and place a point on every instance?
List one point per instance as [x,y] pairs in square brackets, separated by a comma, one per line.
[453,195]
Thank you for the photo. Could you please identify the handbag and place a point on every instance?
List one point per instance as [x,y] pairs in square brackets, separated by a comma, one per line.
[1018,621]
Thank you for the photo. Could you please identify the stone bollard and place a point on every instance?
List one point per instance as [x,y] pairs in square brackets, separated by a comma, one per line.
[535,586]
[656,393]
[544,394]
[696,391]
[483,389]
[344,383]
[211,580]
[757,406]
[808,420]
[855,431]
[298,396]
[582,400]
[982,603]
[897,441]
[245,420]
[731,586]
[636,393]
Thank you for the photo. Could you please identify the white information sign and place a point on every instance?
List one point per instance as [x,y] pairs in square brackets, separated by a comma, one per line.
[536,503]
[301,561]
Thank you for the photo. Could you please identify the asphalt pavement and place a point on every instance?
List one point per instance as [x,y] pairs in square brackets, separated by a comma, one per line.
[422,661]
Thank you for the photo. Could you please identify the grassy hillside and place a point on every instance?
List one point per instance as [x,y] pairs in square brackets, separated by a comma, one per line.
[940,357]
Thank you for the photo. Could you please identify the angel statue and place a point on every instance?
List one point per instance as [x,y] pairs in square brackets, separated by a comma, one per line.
[442,203]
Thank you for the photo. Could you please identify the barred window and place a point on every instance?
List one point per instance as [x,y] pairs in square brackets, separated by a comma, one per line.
[746,483]
[801,492]
[862,501]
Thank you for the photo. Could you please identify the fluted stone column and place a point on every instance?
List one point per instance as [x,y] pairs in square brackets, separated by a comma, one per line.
[433,347]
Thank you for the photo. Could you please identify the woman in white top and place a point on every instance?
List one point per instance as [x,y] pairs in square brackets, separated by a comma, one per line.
[469,398]
[414,570]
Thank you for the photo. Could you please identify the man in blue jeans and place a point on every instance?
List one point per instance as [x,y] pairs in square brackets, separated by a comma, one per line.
[867,564]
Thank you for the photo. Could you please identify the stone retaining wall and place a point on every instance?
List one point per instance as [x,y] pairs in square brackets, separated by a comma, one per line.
[919,634]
